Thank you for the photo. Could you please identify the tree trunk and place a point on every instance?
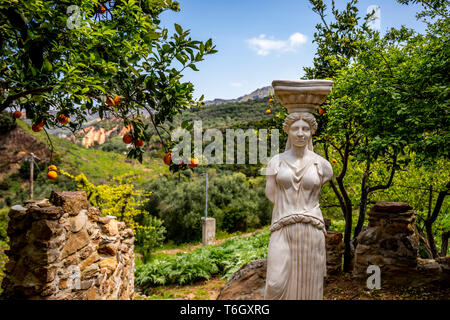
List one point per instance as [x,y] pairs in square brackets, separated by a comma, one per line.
[432,218]
[362,205]
[444,247]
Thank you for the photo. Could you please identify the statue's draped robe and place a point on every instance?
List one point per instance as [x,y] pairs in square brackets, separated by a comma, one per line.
[296,260]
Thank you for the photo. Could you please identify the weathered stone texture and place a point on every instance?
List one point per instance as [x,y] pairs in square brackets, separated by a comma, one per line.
[390,242]
[63,249]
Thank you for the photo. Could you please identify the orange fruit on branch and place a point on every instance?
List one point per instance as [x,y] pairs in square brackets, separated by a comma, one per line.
[52,168]
[334,161]
[17,114]
[63,119]
[193,163]
[322,111]
[36,127]
[101,9]
[109,100]
[139,142]
[127,138]
[52,175]
[268,111]
[116,99]
[168,158]
[270,100]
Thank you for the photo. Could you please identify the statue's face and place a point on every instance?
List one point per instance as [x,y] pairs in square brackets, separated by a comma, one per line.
[300,133]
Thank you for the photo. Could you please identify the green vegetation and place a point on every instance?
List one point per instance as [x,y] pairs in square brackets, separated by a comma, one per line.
[235,201]
[389,103]
[121,54]
[202,263]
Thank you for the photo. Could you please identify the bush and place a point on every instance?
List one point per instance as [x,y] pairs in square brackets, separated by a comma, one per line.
[149,237]
[235,201]
[7,122]
[3,223]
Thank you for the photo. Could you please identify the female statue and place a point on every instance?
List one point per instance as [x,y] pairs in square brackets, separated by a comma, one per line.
[296,260]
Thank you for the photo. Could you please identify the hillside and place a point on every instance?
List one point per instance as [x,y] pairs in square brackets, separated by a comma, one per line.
[257,94]
[99,132]
[105,132]
[98,166]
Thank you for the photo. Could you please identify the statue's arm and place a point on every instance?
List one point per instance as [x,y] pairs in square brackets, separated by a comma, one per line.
[327,171]
[270,188]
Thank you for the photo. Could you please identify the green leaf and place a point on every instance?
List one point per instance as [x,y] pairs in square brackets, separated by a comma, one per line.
[178,29]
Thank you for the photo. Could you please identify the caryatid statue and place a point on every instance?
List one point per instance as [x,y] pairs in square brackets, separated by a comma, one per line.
[296,259]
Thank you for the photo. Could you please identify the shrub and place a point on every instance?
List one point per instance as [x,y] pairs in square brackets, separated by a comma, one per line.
[3,223]
[150,236]
[235,201]
[7,122]
[202,263]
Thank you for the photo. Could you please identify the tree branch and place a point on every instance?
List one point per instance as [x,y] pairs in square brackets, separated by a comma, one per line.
[391,177]
[14,97]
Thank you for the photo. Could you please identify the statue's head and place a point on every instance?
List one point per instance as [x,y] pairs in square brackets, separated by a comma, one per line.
[300,127]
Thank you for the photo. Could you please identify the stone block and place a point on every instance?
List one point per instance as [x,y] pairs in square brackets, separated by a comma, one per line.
[387,206]
[46,212]
[208,231]
[109,249]
[71,202]
[75,242]
[78,222]
[17,212]
[111,228]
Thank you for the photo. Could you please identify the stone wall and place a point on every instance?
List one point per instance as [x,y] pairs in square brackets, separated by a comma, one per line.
[62,248]
[390,242]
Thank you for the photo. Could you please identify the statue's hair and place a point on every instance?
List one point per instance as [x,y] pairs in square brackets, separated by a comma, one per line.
[293,117]
[306,116]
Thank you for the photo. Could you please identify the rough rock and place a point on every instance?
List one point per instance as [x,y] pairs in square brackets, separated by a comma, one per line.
[75,242]
[391,243]
[71,202]
[60,251]
[248,283]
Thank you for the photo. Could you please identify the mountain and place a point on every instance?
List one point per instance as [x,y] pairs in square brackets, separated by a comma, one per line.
[257,94]
[98,132]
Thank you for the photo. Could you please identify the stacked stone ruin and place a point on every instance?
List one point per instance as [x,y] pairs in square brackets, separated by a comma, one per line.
[390,242]
[62,248]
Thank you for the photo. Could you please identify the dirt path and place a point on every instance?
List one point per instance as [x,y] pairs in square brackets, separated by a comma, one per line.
[218,241]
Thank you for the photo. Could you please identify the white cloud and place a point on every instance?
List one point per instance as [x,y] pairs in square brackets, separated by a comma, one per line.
[264,46]
[236,84]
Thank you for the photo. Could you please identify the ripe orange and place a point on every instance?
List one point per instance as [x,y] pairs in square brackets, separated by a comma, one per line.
[17,114]
[270,100]
[52,168]
[127,138]
[168,158]
[334,161]
[52,175]
[36,127]
[101,9]
[268,111]
[109,100]
[116,99]
[194,163]
[322,111]
[63,119]
[139,142]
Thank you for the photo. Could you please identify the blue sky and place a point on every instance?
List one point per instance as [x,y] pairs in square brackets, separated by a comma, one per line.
[262,40]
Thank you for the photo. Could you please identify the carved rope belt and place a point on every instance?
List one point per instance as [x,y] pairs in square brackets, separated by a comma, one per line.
[298,218]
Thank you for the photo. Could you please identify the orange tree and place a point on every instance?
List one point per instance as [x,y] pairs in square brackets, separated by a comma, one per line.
[81,57]
[389,101]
